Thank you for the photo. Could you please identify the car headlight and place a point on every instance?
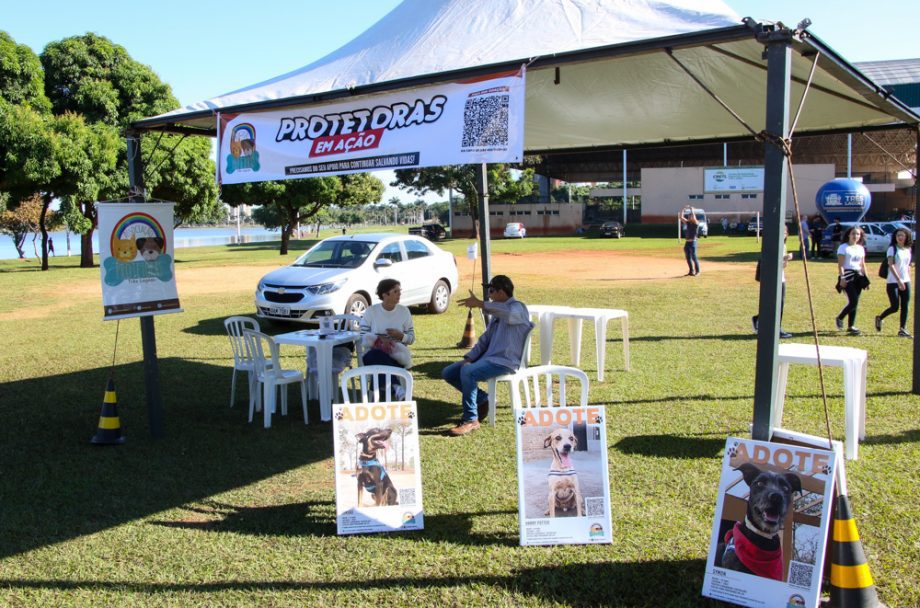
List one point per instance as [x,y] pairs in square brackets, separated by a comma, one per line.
[324,288]
[260,286]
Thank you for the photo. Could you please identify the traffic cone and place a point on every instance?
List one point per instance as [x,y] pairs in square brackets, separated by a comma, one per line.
[109,431]
[851,582]
[469,332]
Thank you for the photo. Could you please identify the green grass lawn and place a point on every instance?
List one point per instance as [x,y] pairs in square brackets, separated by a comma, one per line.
[226,513]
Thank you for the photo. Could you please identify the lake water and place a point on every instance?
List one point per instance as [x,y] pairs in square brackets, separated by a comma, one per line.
[184,237]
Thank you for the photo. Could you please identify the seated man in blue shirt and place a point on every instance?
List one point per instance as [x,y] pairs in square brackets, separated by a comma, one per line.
[497,352]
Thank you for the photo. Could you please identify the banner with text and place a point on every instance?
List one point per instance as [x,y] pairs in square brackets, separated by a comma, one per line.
[467,122]
[563,487]
[378,476]
[771,523]
[733,179]
[136,259]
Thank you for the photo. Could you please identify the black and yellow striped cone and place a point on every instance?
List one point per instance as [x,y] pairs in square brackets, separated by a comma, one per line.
[469,332]
[851,582]
[109,431]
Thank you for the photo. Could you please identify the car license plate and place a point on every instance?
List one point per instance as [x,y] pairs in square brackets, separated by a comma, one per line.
[281,311]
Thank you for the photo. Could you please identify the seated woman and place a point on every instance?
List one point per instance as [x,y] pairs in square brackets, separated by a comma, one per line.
[388,328]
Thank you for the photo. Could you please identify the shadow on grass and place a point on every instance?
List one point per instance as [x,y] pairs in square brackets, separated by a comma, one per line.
[671,446]
[594,584]
[911,436]
[56,486]
[314,518]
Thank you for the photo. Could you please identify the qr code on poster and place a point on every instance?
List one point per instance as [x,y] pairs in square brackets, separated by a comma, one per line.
[485,121]
[407,496]
[800,574]
[594,507]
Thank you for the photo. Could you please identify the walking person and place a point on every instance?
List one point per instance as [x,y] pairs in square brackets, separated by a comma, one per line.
[51,246]
[691,233]
[851,267]
[755,320]
[805,230]
[898,285]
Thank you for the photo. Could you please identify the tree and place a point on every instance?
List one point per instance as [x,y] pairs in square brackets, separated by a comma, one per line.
[97,79]
[285,204]
[503,187]
[21,221]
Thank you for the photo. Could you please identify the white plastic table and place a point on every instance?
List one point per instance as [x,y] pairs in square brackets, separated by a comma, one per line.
[310,338]
[854,363]
[547,314]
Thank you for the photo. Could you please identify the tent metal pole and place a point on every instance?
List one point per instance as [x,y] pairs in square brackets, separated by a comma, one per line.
[624,186]
[916,256]
[482,185]
[778,53]
[155,416]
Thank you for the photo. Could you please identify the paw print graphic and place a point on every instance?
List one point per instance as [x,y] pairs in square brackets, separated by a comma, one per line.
[522,420]
[411,415]
[732,450]
[598,419]
[339,415]
[826,469]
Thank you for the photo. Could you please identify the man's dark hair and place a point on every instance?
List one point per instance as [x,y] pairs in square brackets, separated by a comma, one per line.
[385,285]
[504,283]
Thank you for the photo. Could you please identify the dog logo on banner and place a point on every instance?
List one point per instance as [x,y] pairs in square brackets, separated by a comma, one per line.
[243,154]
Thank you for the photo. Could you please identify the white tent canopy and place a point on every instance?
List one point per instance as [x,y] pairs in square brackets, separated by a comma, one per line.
[601,73]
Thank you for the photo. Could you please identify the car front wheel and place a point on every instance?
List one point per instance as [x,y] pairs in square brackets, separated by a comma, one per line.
[356,305]
[440,298]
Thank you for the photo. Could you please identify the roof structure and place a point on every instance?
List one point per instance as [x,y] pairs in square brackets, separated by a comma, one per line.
[600,73]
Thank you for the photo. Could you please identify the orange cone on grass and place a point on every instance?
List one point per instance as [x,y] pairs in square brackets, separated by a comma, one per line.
[109,431]
[469,332]
[851,583]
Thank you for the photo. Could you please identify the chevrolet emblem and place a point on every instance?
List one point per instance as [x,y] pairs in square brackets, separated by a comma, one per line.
[281,290]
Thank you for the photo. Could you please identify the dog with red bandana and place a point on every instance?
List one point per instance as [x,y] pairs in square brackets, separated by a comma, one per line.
[753,546]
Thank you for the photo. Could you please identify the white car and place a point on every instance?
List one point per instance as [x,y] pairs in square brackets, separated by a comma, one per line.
[515,230]
[340,275]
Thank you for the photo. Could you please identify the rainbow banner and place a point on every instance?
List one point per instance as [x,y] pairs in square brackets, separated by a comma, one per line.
[136,259]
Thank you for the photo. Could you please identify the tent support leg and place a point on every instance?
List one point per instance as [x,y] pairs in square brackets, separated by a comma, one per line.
[482,184]
[778,53]
[155,415]
[916,252]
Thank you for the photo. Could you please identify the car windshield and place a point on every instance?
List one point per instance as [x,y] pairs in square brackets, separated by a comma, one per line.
[336,254]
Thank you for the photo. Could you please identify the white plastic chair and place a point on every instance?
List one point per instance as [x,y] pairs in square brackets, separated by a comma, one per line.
[511,379]
[345,322]
[242,360]
[271,377]
[551,385]
[368,378]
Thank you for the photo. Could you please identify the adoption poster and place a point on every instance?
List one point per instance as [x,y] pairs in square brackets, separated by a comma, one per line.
[480,120]
[136,259]
[771,524]
[378,479]
[563,488]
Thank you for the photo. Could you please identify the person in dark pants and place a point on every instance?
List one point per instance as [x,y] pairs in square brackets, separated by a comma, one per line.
[817,232]
[755,320]
[898,282]
[851,266]
[51,246]
[691,232]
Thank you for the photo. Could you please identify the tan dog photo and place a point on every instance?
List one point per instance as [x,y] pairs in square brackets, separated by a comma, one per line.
[564,493]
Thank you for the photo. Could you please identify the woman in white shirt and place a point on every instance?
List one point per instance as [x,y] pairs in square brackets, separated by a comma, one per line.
[898,285]
[388,328]
[851,270]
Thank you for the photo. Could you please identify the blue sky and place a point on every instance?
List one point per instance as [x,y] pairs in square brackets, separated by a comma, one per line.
[204,49]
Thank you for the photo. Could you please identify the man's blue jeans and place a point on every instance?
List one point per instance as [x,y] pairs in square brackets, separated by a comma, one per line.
[465,377]
[693,261]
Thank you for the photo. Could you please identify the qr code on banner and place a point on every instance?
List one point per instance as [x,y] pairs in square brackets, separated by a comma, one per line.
[594,507]
[407,496]
[800,574]
[485,121]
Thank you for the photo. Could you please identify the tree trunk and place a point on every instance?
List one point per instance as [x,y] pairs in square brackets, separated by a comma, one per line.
[285,237]
[46,202]
[86,249]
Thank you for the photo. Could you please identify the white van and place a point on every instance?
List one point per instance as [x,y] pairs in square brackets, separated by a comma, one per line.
[703,228]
